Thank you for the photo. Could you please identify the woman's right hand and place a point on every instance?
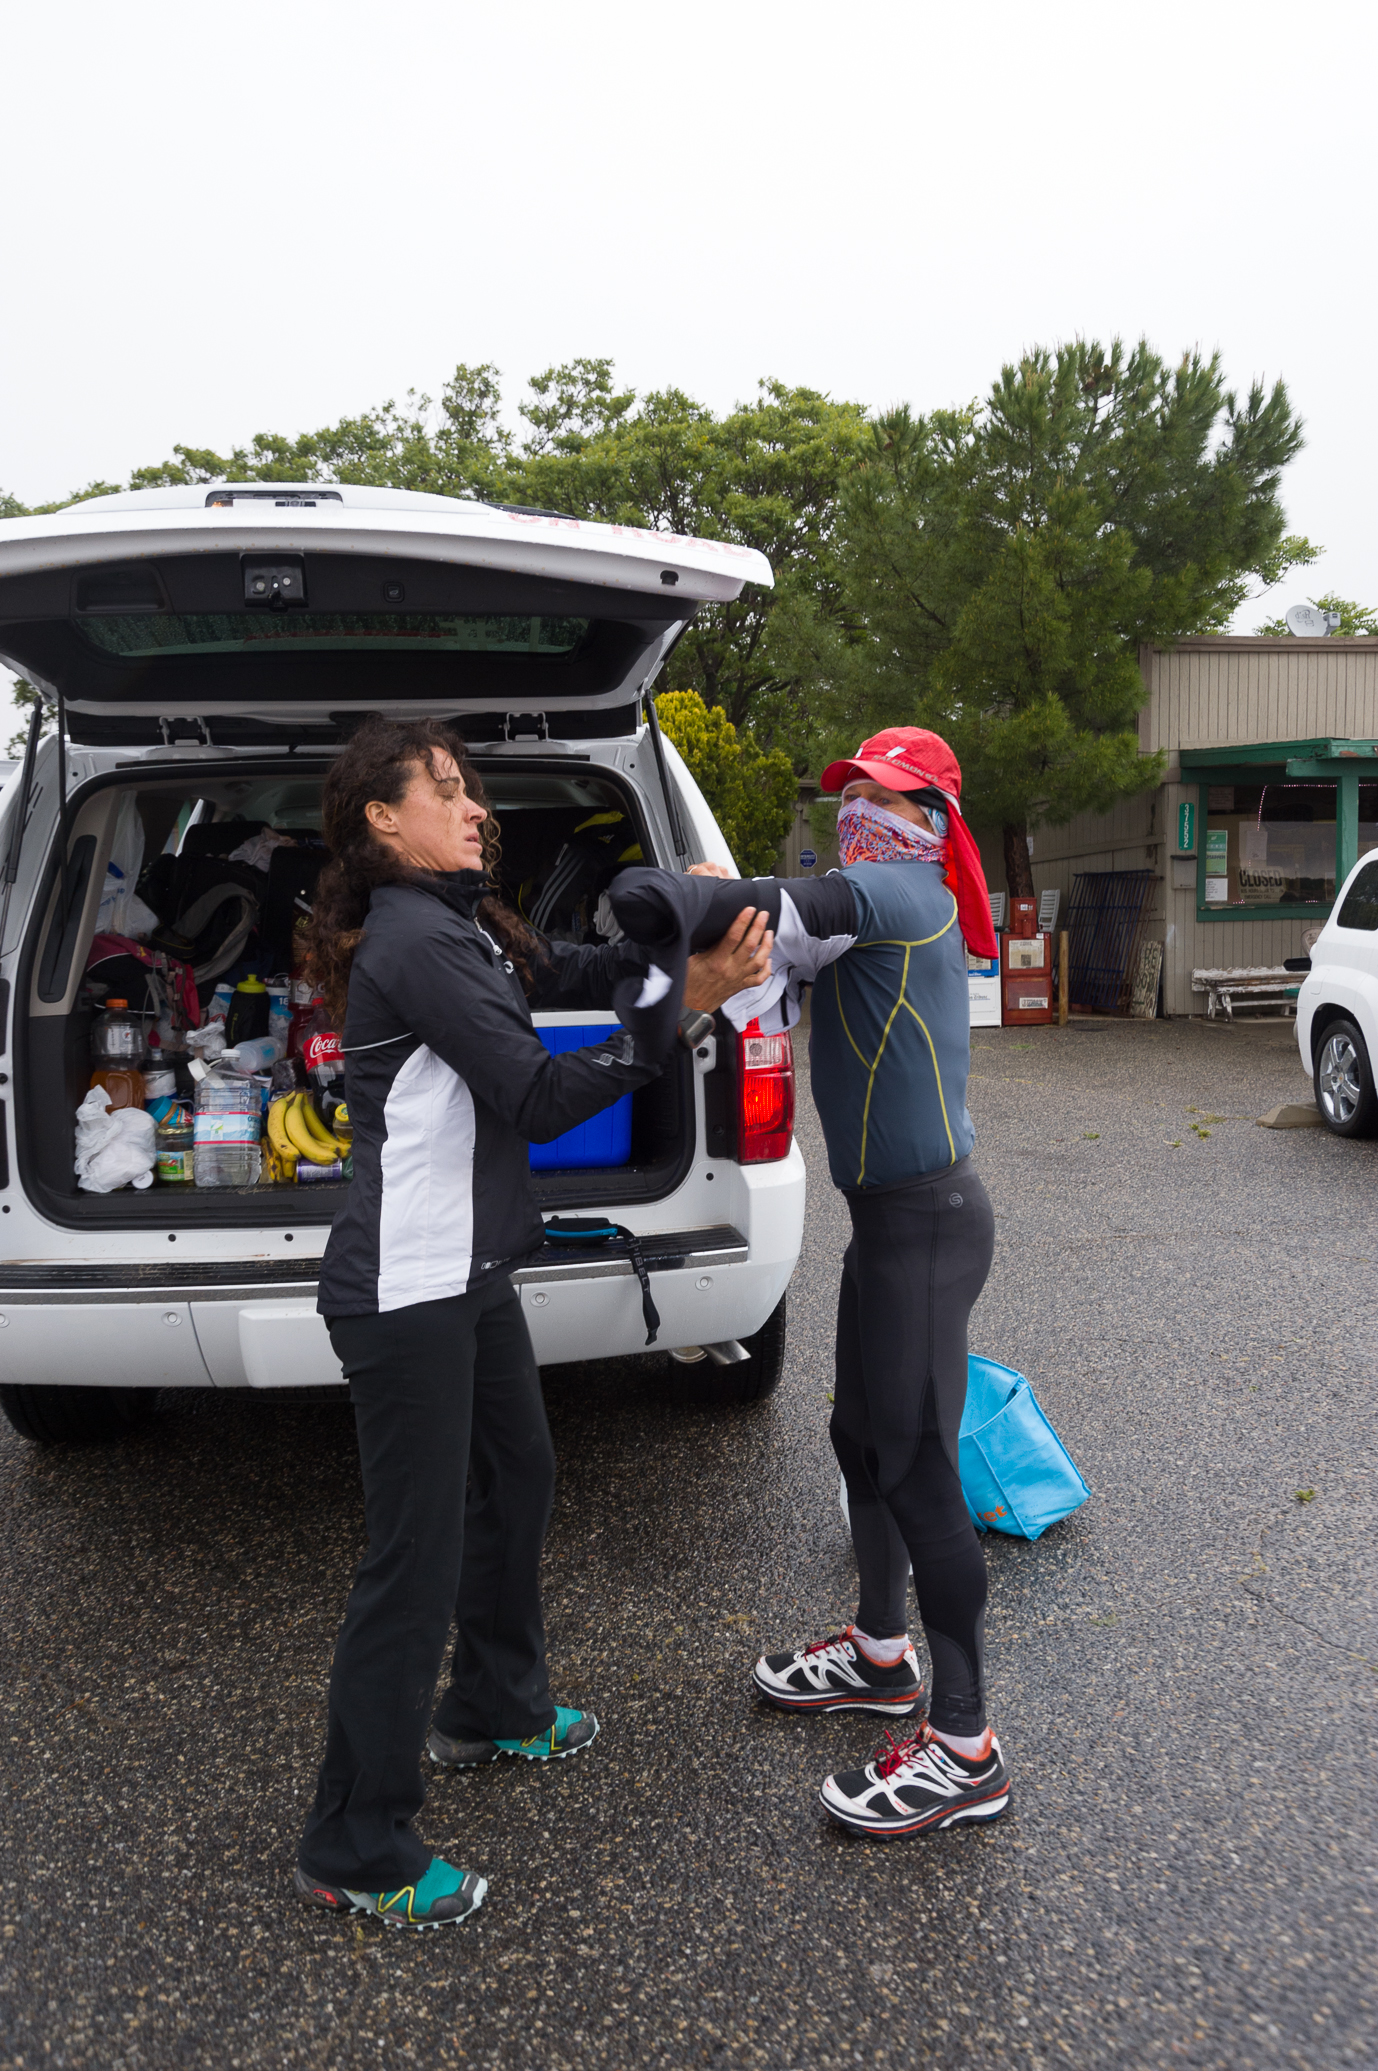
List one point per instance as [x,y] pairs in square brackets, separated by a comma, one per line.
[738,959]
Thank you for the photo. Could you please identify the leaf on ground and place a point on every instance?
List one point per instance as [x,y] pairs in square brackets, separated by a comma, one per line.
[1306,1495]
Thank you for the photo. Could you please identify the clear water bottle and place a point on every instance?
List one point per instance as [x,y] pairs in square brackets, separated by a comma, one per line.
[249,1057]
[227,1125]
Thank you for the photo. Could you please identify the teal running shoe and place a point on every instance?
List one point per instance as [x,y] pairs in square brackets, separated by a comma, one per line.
[571,1731]
[442,1898]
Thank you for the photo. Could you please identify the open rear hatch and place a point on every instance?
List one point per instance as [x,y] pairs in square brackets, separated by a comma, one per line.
[245,616]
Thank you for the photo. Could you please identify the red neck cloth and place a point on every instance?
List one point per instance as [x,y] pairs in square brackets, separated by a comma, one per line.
[966,880]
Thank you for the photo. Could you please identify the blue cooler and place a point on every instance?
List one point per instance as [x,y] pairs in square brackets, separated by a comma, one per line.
[607,1138]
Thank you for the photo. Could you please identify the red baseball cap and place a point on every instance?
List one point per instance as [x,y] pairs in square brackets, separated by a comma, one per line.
[903,758]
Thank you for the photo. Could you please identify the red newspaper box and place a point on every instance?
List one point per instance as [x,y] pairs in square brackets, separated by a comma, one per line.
[1026,977]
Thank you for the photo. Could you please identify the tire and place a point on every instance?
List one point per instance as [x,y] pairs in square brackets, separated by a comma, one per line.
[1345,1096]
[76,1416]
[749,1380]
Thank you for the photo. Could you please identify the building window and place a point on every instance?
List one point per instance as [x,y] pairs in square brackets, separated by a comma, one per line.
[1272,844]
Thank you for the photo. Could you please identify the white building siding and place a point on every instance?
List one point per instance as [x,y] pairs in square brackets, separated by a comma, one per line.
[1225,693]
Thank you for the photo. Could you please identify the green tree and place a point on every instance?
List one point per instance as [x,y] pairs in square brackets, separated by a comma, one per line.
[768,475]
[750,791]
[456,447]
[25,697]
[1005,561]
[574,405]
[1354,618]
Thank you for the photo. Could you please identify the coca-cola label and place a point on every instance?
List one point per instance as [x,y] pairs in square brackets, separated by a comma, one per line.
[321,1050]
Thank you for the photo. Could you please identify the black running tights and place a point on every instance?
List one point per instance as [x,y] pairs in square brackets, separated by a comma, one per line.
[918,1259]
[445,1393]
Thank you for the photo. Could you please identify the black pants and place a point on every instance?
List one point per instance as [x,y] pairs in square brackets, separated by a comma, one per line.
[442,1391]
[918,1259]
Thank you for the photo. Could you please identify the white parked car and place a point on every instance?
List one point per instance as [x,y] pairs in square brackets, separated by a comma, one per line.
[1337,1006]
[211,648]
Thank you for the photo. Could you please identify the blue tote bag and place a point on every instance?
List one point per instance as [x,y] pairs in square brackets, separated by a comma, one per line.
[1017,1475]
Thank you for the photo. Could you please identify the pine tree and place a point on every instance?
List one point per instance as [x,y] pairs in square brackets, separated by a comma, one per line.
[1008,560]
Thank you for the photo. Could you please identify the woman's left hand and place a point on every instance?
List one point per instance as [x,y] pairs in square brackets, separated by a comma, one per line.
[739,959]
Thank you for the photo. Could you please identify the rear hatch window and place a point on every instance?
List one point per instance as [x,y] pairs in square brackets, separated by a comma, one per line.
[142,635]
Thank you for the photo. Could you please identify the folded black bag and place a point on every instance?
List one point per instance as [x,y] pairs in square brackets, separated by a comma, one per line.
[671,916]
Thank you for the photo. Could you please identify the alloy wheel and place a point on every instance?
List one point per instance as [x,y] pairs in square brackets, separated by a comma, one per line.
[1340,1079]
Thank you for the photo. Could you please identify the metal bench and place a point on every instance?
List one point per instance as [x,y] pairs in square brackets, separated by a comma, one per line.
[1255,985]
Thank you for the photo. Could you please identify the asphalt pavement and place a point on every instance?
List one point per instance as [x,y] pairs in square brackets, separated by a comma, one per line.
[1183,1674]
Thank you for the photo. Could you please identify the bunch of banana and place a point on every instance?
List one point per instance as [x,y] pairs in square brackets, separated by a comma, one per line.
[296,1131]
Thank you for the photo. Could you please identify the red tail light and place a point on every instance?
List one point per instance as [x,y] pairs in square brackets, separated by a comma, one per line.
[765,1093]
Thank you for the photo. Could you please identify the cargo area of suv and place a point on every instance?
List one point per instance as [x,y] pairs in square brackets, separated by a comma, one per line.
[226,898]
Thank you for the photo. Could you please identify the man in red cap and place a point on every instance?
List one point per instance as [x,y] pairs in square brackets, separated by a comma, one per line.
[883,941]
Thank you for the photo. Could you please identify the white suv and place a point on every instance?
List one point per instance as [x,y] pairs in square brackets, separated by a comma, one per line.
[1337,1006]
[206,651]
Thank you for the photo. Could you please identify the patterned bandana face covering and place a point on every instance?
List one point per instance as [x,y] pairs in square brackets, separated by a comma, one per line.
[868,833]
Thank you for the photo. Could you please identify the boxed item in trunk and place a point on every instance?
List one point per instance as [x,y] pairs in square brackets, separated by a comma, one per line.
[607,1138]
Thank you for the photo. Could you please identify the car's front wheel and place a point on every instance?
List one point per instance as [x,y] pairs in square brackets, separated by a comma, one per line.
[76,1416]
[1344,1082]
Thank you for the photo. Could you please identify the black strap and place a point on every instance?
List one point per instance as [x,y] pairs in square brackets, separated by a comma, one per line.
[590,1229]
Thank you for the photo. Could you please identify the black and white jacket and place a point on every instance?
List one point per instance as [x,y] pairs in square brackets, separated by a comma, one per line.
[447,1083]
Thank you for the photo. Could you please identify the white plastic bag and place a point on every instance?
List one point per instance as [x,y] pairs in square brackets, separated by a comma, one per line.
[122,911]
[207,1043]
[115,1146]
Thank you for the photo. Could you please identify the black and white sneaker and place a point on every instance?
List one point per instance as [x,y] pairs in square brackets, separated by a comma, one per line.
[834,1675]
[916,1784]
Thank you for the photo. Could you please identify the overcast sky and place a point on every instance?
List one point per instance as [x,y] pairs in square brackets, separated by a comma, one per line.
[221,220]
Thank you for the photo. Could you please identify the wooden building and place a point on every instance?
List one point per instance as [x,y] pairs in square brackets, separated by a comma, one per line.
[1269,796]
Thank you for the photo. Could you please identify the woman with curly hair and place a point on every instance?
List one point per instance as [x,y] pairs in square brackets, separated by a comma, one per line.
[432,979]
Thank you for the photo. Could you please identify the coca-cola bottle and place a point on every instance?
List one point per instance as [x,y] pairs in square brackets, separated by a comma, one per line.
[324,1061]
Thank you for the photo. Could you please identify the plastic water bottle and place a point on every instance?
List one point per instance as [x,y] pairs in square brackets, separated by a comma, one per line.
[228,1121]
[280,1016]
[248,1057]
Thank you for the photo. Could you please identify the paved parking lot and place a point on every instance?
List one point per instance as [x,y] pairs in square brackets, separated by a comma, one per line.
[1183,1674]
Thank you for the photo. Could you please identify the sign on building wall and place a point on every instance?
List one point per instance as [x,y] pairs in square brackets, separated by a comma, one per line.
[1186,825]
[1217,866]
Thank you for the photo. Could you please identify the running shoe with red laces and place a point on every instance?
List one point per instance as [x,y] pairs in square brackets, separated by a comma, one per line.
[834,1675]
[918,1783]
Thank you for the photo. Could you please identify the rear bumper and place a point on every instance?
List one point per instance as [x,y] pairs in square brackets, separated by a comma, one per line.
[243,1327]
